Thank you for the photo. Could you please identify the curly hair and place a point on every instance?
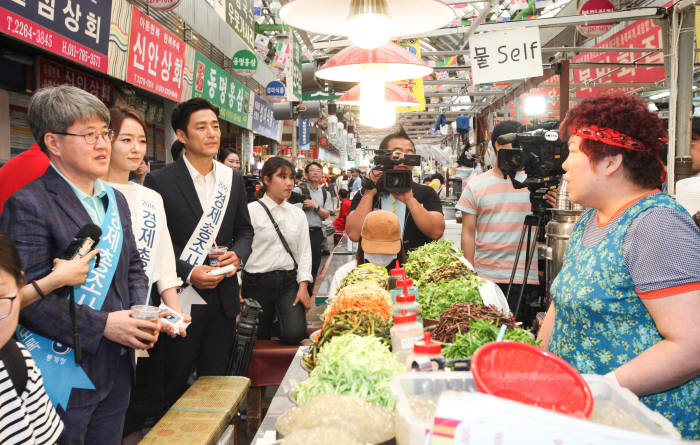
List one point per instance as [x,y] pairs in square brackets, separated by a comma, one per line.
[628,115]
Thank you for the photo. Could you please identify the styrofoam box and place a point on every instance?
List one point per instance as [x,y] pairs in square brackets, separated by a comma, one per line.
[411,430]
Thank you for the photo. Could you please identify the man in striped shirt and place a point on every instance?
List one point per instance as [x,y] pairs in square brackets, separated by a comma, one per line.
[493,212]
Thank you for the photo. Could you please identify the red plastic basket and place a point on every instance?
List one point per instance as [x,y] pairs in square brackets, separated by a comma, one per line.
[531,375]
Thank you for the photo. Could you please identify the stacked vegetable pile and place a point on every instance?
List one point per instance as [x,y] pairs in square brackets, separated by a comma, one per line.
[365,273]
[353,365]
[363,296]
[480,333]
[443,278]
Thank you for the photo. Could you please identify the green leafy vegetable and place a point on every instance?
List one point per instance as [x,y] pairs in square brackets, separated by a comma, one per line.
[367,272]
[431,255]
[353,365]
[480,333]
[436,298]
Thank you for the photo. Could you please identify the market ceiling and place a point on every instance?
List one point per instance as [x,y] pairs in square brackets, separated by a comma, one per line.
[455,96]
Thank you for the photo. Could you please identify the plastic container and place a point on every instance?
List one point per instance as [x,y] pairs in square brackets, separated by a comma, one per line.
[405,332]
[424,352]
[408,302]
[532,375]
[395,275]
[408,284]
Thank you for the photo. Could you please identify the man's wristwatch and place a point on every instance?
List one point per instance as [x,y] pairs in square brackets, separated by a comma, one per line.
[318,207]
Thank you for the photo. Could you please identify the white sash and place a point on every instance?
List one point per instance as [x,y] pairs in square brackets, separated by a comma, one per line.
[197,247]
[147,229]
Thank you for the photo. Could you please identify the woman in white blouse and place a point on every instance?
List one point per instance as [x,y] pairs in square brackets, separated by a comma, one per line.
[276,276]
[152,237]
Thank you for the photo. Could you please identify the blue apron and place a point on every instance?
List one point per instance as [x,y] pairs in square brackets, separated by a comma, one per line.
[55,360]
[601,323]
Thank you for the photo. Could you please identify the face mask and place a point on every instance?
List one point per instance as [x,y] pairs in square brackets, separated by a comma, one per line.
[379,259]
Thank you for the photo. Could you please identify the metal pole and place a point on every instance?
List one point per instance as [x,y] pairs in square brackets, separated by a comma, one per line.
[294,138]
[564,89]
[683,91]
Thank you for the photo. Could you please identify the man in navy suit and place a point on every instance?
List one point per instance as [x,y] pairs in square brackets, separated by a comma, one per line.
[72,127]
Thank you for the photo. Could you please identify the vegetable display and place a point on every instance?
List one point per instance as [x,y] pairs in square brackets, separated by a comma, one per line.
[364,273]
[353,365]
[366,296]
[447,272]
[480,333]
[456,319]
[436,298]
[429,256]
[354,321]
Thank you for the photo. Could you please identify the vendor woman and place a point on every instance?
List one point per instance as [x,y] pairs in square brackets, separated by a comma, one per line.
[627,299]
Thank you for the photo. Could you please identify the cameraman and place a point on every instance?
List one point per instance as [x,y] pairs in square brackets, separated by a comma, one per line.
[419,209]
[493,212]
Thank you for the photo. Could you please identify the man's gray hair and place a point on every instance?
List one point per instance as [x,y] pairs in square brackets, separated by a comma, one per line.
[57,108]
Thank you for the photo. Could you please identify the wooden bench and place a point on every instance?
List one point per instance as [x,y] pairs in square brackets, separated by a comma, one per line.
[202,414]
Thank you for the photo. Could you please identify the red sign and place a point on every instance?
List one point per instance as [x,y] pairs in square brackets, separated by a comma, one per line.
[641,34]
[257,149]
[52,74]
[595,7]
[313,152]
[284,150]
[323,142]
[156,57]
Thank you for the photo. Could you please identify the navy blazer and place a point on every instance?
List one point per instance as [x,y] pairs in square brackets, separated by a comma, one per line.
[42,219]
[183,210]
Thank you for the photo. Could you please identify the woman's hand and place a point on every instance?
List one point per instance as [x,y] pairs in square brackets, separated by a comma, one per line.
[71,272]
[303,296]
[170,329]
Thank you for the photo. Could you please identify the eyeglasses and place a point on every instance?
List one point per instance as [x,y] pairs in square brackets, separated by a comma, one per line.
[6,306]
[91,137]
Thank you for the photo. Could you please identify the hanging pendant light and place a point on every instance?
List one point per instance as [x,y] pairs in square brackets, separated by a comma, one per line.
[378,102]
[368,23]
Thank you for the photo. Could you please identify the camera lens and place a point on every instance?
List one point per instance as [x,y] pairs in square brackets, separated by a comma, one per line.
[393,181]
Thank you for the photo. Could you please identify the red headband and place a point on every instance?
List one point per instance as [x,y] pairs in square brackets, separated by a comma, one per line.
[611,137]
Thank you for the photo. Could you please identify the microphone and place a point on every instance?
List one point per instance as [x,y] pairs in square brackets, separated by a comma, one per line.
[85,240]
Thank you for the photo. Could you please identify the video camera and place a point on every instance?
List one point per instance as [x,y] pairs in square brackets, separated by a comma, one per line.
[538,152]
[393,180]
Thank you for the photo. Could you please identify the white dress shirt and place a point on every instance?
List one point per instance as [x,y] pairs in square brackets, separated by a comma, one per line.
[268,253]
[203,184]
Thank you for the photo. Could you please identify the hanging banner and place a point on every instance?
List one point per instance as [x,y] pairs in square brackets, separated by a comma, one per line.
[156,57]
[304,134]
[275,89]
[413,86]
[640,34]
[240,18]
[262,120]
[293,69]
[52,74]
[505,55]
[244,63]
[77,30]
[218,87]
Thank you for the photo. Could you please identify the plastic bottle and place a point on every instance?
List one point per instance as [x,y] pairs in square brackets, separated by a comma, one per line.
[406,300]
[395,275]
[405,332]
[405,281]
[424,351]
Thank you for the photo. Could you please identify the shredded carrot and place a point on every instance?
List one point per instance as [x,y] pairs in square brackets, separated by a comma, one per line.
[376,304]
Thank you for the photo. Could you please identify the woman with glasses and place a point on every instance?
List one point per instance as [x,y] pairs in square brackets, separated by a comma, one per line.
[23,402]
[155,248]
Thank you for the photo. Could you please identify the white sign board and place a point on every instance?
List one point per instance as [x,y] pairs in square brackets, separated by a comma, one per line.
[505,55]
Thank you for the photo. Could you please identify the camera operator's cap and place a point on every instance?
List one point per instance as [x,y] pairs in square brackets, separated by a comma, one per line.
[381,233]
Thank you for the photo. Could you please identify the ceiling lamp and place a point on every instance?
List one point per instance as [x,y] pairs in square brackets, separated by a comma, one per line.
[378,102]
[368,23]
[388,62]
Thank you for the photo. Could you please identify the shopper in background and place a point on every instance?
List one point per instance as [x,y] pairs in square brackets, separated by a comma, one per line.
[278,272]
[138,176]
[493,213]
[230,158]
[42,219]
[627,299]
[339,222]
[206,205]
[419,209]
[26,413]
[21,170]
[354,183]
[333,190]
[341,182]
[318,206]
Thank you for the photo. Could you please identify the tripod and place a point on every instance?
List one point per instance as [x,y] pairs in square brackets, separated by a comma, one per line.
[531,221]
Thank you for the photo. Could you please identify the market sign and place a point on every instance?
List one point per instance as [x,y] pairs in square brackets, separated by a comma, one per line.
[156,57]
[218,87]
[78,30]
[240,18]
[293,69]
[262,120]
[413,86]
[320,95]
[304,128]
[244,63]
[595,7]
[640,34]
[52,74]
[275,89]
[505,55]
